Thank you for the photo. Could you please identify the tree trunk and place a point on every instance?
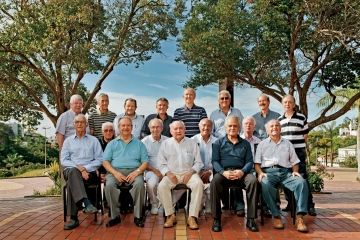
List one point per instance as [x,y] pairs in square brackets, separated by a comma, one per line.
[331,153]
[228,85]
[358,144]
[326,156]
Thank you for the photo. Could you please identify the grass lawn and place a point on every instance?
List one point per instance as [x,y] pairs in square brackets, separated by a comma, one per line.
[32,173]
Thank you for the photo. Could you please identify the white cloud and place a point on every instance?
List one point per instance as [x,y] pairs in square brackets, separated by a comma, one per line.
[157,86]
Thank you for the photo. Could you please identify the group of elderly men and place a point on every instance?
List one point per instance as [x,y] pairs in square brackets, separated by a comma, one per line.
[207,155]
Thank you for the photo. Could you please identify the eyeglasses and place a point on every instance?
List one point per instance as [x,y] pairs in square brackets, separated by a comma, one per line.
[79,122]
[155,127]
[106,130]
[224,98]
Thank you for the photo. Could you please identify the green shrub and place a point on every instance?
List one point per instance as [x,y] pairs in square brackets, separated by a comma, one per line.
[5,173]
[316,182]
[350,162]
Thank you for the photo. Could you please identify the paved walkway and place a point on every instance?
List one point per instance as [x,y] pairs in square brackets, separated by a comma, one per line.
[41,218]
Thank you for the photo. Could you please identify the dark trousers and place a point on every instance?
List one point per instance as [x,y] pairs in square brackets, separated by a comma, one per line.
[247,182]
[76,189]
[301,154]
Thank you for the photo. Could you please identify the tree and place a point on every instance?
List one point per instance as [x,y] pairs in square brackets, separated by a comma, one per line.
[12,161]
[323,143]
[47,48]
[341,97]
[329,131]
[279,47]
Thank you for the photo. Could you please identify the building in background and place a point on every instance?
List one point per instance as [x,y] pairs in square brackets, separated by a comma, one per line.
[17,129]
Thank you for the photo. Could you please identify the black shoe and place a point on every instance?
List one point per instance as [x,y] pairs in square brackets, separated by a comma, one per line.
[216,227]
[267,214]
[225,207]
[312,212]
[252,225]
[71,224]
[287,209]
[138,222]
[240,213]
[90,209]
[113,221]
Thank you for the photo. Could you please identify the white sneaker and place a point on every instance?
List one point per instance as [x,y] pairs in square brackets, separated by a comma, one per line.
[154,210]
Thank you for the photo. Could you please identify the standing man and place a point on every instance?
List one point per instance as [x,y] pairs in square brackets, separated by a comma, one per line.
[162,105]
[153,176]
[264,116]
[179,161]
[218,118]
[232,160]
[103,114]
[249,125]
[65,123]
[276,163]
[125,160]
[81,156]
[190,114]
[130,107]
[294,127]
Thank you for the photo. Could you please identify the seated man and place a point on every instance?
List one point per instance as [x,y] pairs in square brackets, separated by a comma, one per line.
[232,160]
[153,175]
[125,160]
[178,161]
[275,156]
[81,156]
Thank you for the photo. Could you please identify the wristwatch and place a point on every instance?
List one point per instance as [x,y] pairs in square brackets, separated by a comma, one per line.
[211,171]
[138,170]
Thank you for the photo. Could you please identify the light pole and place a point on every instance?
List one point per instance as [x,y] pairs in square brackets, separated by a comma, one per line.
[45,143]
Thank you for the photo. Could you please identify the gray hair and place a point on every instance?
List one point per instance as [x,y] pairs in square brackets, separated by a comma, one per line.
[78,116]
[267,97]
[272,120]
[249,117]
[124,117]
[171,124]
[98,98]
[191,90]
[235,117]
[288,95]
[107,124]
[156,119]
[224,92]
[75,97]
[205,119]
[162,99]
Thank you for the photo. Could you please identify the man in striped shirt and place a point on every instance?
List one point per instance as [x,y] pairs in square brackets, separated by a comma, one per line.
[102,115]
[294,127]
[190,114]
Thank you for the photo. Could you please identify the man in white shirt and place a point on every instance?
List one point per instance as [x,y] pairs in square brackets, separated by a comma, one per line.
[153,175]
[179,161]
[276,163]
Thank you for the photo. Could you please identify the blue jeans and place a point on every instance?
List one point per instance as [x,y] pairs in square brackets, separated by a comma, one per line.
[283,177]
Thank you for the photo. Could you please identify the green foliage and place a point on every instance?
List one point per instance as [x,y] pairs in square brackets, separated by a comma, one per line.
[53,172]
[47,48]
[278,47]
[53,175]
[12,161]
[316,182]
[4,173]
[350,162]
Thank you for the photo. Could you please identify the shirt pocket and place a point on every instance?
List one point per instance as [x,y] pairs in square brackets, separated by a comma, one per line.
[87,152]
[189,158]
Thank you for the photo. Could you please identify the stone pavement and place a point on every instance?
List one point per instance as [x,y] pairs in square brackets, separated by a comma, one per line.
[41,218]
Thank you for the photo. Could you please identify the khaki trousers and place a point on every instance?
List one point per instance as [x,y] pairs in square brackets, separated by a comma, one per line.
[197,189]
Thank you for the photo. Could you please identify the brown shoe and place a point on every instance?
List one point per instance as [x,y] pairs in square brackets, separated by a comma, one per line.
[170,221]
[192,223]
[300,225]
[277,223]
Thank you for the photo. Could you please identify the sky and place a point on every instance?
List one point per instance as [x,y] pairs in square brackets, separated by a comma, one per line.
[162,77]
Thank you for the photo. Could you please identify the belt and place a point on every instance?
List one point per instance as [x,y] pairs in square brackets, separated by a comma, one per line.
[300,149]
[275,166]
[230,169]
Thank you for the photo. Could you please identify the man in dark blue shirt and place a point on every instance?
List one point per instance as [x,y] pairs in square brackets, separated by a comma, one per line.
[232,160]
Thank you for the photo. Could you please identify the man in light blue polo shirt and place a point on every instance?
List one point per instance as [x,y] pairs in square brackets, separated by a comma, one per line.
[125,160]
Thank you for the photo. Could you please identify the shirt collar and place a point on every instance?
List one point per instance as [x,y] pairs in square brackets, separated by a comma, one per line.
[75,136]
[119,138]
[238,137]
[100,113]
[186,108]
[153,140]
[230,110]
[166,116]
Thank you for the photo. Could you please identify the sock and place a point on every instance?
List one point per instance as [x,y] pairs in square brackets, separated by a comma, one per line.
[86,202]
[74,217]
